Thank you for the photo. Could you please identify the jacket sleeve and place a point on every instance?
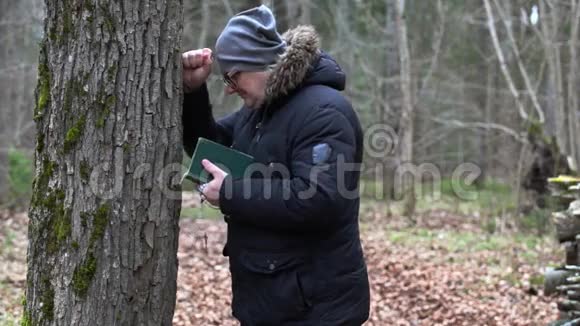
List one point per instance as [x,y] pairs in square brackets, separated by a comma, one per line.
[314,195]
[198,121]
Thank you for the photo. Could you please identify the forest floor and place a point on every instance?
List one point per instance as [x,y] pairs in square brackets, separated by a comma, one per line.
[444,270]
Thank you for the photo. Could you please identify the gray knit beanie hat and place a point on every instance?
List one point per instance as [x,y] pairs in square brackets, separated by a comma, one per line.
[249,42]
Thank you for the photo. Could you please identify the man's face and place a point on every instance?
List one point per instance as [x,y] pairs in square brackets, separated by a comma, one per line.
[250,86]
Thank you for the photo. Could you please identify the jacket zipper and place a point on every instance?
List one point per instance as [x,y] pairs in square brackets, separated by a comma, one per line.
[259,125]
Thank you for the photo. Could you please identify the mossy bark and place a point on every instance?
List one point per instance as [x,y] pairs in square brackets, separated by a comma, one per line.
[108,102]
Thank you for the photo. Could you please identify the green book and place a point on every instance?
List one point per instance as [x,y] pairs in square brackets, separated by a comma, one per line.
[228,159]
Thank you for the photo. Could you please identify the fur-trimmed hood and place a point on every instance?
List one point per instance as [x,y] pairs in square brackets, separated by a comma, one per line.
[302,63]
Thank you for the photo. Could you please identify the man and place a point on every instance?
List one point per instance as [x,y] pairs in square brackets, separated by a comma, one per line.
[293,238]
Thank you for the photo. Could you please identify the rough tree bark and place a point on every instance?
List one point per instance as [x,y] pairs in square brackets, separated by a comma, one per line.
[104,214]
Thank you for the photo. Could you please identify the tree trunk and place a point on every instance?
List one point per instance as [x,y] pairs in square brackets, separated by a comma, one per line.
[305,12]
[280,11]
[391,114]
[502,61]
[248,4]
[103,229]
[407,112]
[573,102]
[556,124]
[393,94]
[486,157]
[205,24]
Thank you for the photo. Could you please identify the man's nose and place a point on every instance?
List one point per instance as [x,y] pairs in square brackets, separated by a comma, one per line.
[230,90]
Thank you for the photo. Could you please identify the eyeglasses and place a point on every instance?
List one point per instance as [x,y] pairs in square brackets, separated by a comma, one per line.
[229,80]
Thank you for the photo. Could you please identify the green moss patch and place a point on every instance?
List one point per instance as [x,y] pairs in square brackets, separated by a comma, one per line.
[85,272]
[59,220]
[100,222]
[74,134]
[40,142]
[74,89]
[112,73]
[63,227]
[108,19]
[83,275]
[68,96]
[56,223]
[40,184]
[85,217]
[85,170]
[67,23]
[105,107]
[47,299]
[89,6]
[26,320]
[43,84]
[53,33]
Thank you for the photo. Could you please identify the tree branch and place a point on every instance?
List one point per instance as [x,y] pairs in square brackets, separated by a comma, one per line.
[436,49]
[501,59]
[482,125]
[520,63]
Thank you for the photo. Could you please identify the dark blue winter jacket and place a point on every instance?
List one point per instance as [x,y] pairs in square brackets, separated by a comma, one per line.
[293,236]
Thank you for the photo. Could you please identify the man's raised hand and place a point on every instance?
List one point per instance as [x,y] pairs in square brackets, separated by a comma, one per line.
[196,68]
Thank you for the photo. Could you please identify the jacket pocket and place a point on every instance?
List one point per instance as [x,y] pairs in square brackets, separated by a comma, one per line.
[267,288]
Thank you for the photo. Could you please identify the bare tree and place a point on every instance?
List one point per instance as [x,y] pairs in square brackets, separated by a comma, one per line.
[552,128]
[502,62]
[573,86]
[103,229]
[202,41]
[305,12]
[407,109]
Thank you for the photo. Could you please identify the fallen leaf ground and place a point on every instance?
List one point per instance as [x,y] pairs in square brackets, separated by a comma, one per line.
[443,271]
